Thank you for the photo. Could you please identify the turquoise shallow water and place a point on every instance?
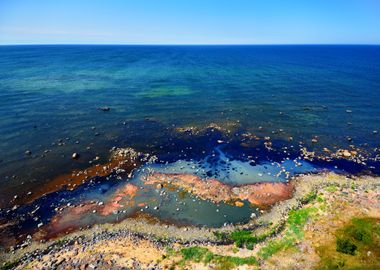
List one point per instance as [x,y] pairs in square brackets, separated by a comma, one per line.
[49,99]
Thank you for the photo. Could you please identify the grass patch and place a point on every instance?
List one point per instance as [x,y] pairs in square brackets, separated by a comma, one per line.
[243,238]
[331,188]
[275,246]
[363,230]
[360,233]
[357,246]
[203,255]
[296,221]
[8,265]
[196,254]
[346,246]
[309,197]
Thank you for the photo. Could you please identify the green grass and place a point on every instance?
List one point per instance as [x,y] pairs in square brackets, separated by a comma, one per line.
[8,265]
[297,220]
[363,230]
[331,188]
[196,254]
[294,231]
[352,244]
[309,197]
[275,246]
[346,246]
[243,238]
[203,255]
[360,233]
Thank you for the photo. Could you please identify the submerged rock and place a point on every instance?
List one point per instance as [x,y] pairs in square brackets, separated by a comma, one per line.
[104,109]
[263,194]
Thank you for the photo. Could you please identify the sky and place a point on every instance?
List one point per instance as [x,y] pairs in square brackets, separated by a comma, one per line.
[189,22]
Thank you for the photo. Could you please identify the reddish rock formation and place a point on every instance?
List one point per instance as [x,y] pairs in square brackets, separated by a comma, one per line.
[263,194]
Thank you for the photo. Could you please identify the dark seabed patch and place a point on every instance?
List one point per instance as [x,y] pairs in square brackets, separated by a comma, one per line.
[120,192]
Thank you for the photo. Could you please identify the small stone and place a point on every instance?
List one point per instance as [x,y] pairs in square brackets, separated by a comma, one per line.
[28,152]
[239,204]
[326,150]
[346,153]
[75,156]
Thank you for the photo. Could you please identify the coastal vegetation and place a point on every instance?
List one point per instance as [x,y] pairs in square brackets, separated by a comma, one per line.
[356,246]
[203,255]
[312,227]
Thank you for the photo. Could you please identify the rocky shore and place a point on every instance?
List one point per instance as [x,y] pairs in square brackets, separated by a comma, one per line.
[329,200]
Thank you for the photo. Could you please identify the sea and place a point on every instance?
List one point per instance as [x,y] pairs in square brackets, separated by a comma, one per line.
[56,100]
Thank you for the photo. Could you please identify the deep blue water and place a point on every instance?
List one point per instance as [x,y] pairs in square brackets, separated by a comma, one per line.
[50,95]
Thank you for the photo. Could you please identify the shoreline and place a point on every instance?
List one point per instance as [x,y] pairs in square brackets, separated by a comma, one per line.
[265,223]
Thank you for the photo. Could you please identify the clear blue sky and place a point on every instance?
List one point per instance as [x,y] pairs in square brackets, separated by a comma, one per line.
[189,21]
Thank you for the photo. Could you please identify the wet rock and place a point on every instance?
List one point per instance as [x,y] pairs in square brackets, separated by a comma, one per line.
[104,109]
[75,156]
[346,153]
[236,190]
[28,152]
[239,204]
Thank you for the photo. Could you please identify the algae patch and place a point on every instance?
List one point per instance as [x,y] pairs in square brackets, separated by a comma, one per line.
[167,91]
